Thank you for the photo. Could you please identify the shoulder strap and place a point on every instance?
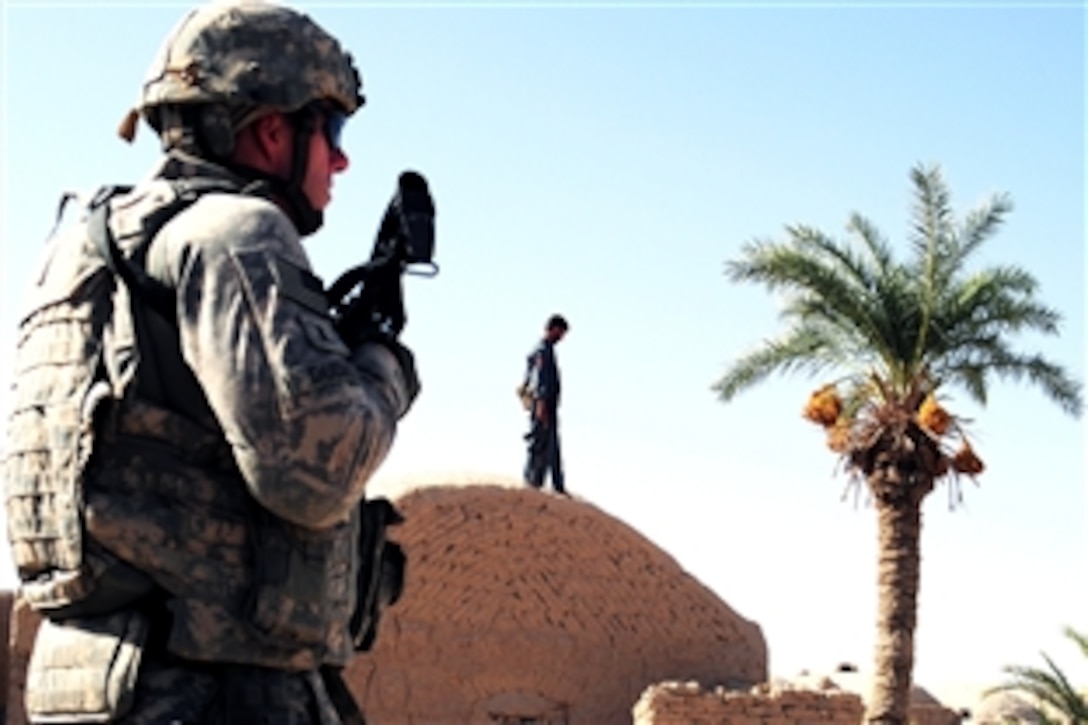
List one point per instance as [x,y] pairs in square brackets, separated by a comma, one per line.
[148,290]
[154,303]
[153,293]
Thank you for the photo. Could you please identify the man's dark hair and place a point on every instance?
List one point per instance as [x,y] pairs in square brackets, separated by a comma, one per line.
[557,321]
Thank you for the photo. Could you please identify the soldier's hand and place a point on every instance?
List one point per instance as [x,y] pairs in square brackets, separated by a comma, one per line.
[409,376]
[392,362]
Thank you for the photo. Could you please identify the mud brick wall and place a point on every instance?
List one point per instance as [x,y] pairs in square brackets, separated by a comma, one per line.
[685,703]
[777,703]
[520,605]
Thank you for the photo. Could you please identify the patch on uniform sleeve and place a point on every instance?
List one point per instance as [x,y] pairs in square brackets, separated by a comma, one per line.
[300,285]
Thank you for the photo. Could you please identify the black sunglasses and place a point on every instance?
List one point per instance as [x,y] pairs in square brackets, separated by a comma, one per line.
[330,118]
[333,127]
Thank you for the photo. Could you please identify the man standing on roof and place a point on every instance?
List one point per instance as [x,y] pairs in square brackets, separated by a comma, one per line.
[542,378]
[191,435]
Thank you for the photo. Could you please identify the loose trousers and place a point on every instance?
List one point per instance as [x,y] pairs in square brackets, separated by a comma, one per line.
[544,454]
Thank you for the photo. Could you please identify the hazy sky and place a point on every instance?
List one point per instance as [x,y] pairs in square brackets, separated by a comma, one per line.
[604,160]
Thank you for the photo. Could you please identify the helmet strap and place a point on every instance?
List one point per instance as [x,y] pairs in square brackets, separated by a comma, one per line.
[289,191]
[301,209]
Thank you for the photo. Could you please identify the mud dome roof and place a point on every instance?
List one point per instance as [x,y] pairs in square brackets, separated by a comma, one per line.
[522,604]
[1003,707]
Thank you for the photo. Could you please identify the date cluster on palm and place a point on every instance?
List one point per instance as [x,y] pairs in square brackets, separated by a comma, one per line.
[967,461]
[825,408]
[933,417]
[940,422]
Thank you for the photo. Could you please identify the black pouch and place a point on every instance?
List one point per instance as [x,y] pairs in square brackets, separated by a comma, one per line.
[381,571]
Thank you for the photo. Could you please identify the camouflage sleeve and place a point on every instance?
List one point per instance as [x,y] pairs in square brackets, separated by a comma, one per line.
[308,420]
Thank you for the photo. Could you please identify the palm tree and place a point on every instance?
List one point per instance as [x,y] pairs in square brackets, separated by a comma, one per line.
[1050,688]
[898,333]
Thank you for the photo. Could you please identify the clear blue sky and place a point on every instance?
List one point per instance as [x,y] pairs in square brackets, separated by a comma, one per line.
[604,161]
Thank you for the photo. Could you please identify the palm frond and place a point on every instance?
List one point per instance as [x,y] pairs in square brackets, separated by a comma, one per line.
[780,266]
[971,377]
[879,250]
[1079,639]
[838,255]
[828,284]
[972,362]
[899,324]
[997,359]
[799,269]
[998,296]
[1069,700]
[812,310]
[979,225]
[1050,688]
[914,325]
[803,348]
[931,215]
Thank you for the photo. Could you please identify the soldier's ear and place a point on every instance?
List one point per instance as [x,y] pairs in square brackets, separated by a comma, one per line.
[265,144]
[273,130]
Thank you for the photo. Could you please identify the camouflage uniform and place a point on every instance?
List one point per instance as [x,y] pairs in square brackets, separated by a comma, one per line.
[184,480]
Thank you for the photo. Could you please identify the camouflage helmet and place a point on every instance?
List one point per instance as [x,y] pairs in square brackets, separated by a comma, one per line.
[242,58]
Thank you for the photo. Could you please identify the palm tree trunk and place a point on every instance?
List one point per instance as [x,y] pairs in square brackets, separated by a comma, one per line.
[899,557]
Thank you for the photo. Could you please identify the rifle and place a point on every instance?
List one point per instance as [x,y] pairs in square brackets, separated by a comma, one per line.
[368,300]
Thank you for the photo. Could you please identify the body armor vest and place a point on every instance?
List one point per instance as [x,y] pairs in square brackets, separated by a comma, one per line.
[112,491]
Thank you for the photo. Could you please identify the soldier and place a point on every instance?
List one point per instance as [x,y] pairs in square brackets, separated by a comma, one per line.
[191,436]
[542,384]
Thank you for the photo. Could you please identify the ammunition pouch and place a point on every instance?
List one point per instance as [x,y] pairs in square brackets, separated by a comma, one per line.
[83,670]
[381,571]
